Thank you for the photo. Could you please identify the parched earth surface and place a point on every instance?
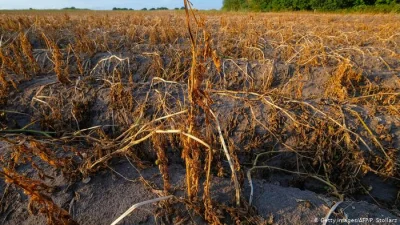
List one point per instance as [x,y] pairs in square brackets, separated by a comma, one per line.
[310,110]
[99,198]
[109,194]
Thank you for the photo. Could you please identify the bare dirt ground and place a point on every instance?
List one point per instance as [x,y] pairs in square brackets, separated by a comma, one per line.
[109,194]
[311,110]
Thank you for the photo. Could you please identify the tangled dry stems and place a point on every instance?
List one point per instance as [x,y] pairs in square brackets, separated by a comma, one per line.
[259,67]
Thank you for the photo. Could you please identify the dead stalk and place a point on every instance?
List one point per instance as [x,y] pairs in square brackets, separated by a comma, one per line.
[137,205]
[230,161]
[331,211]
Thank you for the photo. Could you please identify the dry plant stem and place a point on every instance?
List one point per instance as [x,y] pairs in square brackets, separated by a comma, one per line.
[262,98]
[374,95]
[47,134]
[370,133]
[109,59]
[87,129]
[191,85]
[183,133]
[151,122]
[8,141]
[137,205]
[135,142]
[27,50]
[276,137]
[335,191]
[331,211]
[336,122]
[228,157]
[59,67]
[14,112]
[208,176]
[38,202]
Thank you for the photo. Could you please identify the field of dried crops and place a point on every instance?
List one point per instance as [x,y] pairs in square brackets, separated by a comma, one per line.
[243,118]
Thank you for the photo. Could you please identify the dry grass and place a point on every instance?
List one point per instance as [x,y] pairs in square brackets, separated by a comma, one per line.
[225,90]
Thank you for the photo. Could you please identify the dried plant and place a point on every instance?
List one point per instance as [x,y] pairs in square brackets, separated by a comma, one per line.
[19,61]
[60,68]
[345,82]
[162,160]
[27,50]
[38,202]
[320,91]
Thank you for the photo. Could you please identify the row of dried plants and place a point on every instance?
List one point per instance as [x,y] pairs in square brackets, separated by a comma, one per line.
[187,86]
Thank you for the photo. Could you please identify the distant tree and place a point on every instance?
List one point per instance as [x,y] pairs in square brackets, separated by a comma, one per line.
[370,2]
[359,2]
[182,8]
[235,5]
[301,5]
[71,8]
[276,5]
[384,2]
[115,8]
[144,9]
[259,5]
[152,9]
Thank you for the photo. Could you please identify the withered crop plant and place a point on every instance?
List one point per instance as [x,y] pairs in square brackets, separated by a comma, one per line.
[198,117]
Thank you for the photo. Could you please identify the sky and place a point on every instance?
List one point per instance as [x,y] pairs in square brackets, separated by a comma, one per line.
[105,4]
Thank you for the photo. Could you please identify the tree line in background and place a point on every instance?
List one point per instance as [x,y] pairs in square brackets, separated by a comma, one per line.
[323,5]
